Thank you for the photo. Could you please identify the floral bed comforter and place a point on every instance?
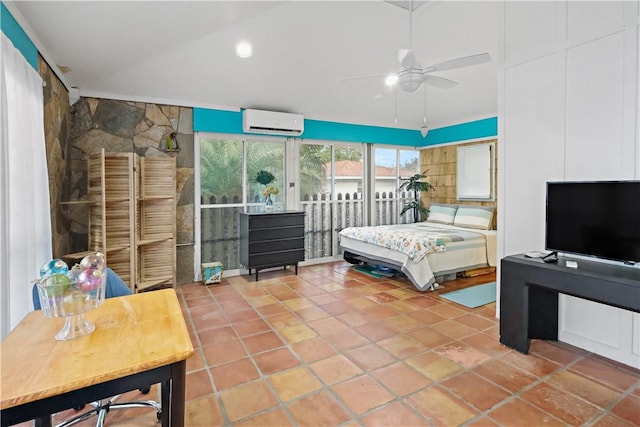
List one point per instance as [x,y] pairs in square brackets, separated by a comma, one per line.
[413,240]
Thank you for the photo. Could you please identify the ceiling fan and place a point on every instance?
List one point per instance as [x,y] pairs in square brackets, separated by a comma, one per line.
[412,75]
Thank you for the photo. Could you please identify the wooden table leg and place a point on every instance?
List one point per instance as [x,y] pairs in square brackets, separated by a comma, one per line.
[178,381]
[43,421]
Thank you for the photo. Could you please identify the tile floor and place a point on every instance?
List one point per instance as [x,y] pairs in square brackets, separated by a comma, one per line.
[335,347]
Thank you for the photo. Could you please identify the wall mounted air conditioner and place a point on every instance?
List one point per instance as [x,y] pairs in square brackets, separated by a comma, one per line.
[272,123]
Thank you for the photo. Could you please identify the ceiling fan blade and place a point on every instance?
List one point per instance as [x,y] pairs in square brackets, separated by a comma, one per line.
[377,76]
[407,58]
[464,61]
[439,82]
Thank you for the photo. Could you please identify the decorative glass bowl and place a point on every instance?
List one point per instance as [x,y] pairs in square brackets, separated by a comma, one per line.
[71,295]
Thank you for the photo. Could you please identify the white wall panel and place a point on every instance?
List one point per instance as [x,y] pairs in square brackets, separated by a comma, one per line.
[529,29]
[533,155]
[595,76]
[589,19]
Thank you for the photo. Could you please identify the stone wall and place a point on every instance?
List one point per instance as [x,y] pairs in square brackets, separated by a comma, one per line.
[56,136]
[142,128]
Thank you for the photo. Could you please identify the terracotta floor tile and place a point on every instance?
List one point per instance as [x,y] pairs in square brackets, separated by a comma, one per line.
[275,418]
[242,315]
[272,309]
[530,363]
[382,297]
[321,409]
[629,409]
[211,320]
[234,373]
[402,306]
[565,406]
[198,384]
[475,390]
[606,373]
[375,331]
[394,414]
[487,344]
[286,295]
[421,301]
[402,323]
[203,411]
[294,383]
[346,339]
[327,326]
[401,346]
[274,361]
[584,387]
[313,349]
[440,407]
[611,420]
[361,303]
[353,319]
[454,329]
[196,361]
[362,394]
[251,327]
[476,322]
[344,294]
[337,308]
[552,351]
[246,400]
[282,320]
[370,356]
[297,333]
[262,342]
[311,313]
[448,310]
[525,414]
[401,379]
[462,354]
[217,335]
[335,369]
[505,375]
[426,317]
[433,366]
[298,303]
[224,352]
[482,422]
[379,312]
[429,337]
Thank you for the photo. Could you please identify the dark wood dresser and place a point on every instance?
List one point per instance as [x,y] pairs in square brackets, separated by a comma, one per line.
[271,239]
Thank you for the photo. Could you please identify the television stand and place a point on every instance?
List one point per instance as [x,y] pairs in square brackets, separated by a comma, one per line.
[529,290]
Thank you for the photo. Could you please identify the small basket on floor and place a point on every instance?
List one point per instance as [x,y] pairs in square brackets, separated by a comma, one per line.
[211,273]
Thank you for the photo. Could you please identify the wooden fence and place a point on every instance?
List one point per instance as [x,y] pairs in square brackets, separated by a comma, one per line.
[219,226]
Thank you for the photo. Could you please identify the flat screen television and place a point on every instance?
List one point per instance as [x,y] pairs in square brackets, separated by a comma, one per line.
[600,219]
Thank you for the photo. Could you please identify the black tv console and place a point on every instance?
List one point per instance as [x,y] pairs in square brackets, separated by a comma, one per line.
[529,290]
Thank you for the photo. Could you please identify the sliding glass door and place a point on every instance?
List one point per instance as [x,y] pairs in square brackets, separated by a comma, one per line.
[227,170]
[331,194]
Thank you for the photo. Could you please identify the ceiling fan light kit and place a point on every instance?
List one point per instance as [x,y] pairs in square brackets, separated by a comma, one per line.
[424,130]
[410,80]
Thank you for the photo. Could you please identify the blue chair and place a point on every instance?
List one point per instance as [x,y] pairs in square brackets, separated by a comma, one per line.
[115,287]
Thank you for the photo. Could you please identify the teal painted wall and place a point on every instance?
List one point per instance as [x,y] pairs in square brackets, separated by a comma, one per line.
[18,37]
[221,121]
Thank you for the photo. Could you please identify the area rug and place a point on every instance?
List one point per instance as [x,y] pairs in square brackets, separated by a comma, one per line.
[374,271]
[474,296]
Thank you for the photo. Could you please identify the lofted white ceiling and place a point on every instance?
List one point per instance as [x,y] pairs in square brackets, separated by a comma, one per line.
[183,53]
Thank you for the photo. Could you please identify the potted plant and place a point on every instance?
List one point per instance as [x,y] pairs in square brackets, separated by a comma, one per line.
[416,183]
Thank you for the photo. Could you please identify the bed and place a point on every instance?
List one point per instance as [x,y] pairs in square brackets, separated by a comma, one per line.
[427,252]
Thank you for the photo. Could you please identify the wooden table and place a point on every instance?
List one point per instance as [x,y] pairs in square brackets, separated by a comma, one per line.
[139,340]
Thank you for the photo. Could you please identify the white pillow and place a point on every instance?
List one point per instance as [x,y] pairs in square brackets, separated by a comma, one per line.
[474,217]
[441,213]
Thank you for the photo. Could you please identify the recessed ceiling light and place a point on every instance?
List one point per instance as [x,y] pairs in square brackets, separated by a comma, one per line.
[244,50]
[391,79]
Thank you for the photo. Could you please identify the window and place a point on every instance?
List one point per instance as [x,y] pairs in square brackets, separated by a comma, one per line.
[475,172]
[391,164]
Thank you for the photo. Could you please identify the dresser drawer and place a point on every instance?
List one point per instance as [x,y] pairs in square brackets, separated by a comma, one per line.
[276,258]
[276,245]
[275,234]
[275,221]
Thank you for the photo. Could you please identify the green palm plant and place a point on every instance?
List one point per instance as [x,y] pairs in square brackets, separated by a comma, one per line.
[416,184]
